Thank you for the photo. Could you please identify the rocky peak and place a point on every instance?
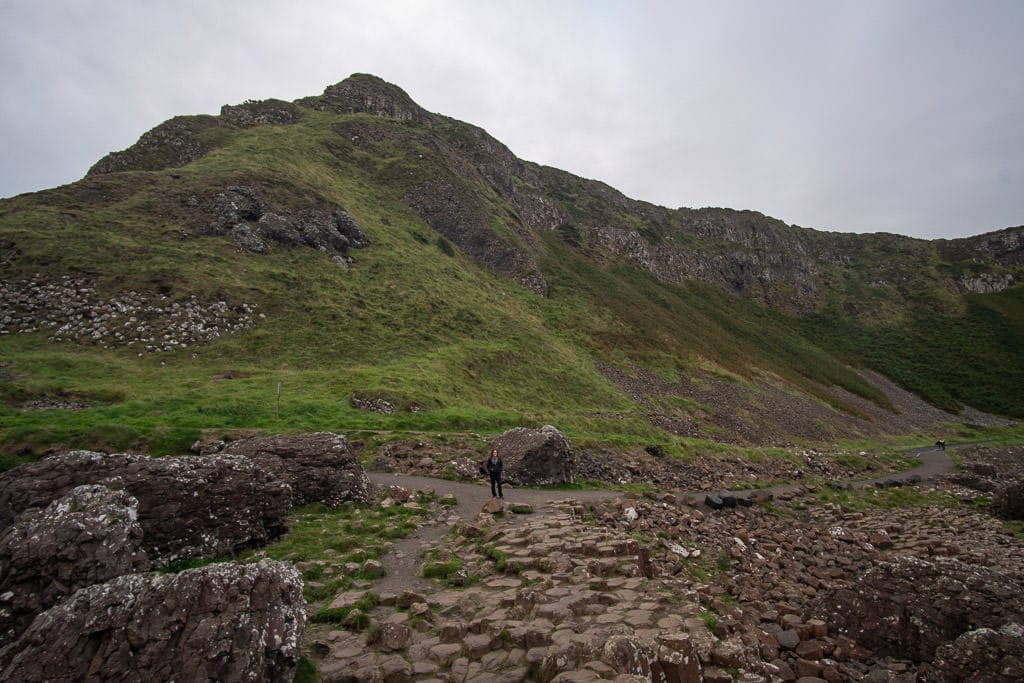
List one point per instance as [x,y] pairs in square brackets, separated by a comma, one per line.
[1005,246]
[367,94]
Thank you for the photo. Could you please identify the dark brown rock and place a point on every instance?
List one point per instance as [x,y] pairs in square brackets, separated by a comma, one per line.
[983,655]
[677,661]
[192,506]
[628,655]
[320,467]
[89,536]
[1008,501]
[221,622]
[534,457]
[910,607]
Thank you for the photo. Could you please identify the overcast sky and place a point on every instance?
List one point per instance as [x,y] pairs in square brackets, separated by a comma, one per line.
[858,116]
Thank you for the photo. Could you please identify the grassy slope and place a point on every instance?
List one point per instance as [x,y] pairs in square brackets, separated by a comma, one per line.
[412,321]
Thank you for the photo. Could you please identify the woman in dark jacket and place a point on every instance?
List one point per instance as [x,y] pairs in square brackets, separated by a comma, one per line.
[494,466]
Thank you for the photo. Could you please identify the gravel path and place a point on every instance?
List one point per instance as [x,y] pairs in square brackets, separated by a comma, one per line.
[401,565]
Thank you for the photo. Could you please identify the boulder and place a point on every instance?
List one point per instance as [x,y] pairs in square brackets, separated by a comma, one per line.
[89,536]
[629,655]
[984,654]
[1008,501]
[534,457]
[234,205]
[910,607]
[190,506]
[226,622]
[239,210]
[319,467]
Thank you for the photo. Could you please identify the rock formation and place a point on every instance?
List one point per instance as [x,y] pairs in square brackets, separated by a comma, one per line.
[536,457]
[88,536]
[984,654]
[239,211]
[320,467]
[223,622]
[1008,501]
[188,506]
[909,607]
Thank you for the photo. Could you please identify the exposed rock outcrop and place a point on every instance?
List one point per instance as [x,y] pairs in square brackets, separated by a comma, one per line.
[454,212]
[221,622]
[88,536]
[188,506]
[239,211]
[367,94]
[909,607]
[1008,501]
[320,467]
[184,139]
[536,457]
[261,113]
[173,143]
[982,655]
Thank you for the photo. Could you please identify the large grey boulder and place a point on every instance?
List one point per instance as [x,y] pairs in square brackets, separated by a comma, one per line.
[192,506]
[910,607]
[88,536]
[320,467]
[223,622]
[536,457]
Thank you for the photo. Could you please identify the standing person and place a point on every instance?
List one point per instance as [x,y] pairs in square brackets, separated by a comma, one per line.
[494,466]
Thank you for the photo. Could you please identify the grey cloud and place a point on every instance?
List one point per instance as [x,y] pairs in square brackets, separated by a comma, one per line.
[866,116]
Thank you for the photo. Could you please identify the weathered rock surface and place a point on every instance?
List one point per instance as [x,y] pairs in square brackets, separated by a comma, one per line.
[319,467]
[88,536]
[460,216]
[985,654]
[534,457]
[239,211]
[188,506]
[260,113]
[364,93]
[173,143]
[226,622]
[909,607]
[1008,501]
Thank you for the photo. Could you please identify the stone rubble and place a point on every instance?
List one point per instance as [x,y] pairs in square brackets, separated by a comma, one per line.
[73,309]
[658,587]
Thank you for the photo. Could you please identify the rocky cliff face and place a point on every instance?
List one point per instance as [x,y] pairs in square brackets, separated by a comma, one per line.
[464,184]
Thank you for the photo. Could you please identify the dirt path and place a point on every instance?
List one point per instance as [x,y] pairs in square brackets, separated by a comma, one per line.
[401,565]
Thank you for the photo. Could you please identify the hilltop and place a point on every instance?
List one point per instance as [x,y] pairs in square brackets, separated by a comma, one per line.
[353,262]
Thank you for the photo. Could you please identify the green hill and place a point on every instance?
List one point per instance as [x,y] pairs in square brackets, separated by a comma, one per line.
[354,263]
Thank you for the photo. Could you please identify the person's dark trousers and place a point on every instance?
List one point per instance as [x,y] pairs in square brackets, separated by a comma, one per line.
[496,479]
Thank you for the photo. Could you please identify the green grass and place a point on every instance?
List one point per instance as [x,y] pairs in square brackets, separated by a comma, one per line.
[355,617]
[352,533]
[968,356]
[444,566]
[869,497]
